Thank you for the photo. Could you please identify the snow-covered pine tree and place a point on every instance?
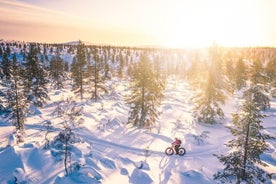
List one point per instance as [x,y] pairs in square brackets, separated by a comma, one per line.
[35,78]
[121,65]
[240,74]
[243,163]
[3,90]
[146,94]
[78,70]
[257,84]
[106,71]
[2,102]
[230,73]
[195,70]
[17,99]
[56,72]
[8,49]
[96,76]
[212,91]
[1,51]
[256,72]
[270,70]
[6,68]
[207,102]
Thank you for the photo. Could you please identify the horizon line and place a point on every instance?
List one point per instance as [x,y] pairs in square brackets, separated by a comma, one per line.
[89,43]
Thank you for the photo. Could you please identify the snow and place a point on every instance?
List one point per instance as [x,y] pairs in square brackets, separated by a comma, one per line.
[112,151]
[12,140]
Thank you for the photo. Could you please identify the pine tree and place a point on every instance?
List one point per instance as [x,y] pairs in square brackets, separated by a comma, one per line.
[106,72]
[1,51]
[196,70]
[240,75]
[230,74]
[146,94]
[57,73]
[78,70]
[3,109]
[8,49]
[36,81]
[271,72]
[242,163]
[257,81]
[16,98]
[51,50]
[6,68]
[122,64]
[256,72]
[207,102]
[212,91]
[96,77]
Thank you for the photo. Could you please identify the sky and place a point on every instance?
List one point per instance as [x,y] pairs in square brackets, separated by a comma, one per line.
[169,23]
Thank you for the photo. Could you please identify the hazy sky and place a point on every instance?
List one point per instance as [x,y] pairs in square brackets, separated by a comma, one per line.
[176,23]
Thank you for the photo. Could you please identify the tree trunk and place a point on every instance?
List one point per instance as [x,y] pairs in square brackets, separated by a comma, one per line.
[95,82]
[19,126]
[81,84]
[245,150]
[142,107]
[66,155]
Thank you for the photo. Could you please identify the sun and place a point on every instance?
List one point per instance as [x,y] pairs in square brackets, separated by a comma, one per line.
[188,29]
[204,25]
[183,37]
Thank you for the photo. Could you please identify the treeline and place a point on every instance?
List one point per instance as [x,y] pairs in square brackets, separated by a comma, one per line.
[214,73]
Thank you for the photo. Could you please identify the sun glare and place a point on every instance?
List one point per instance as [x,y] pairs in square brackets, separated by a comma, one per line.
[174,24]
[187,35]
[203,26]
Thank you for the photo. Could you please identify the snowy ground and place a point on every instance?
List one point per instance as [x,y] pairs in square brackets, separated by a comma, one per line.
[114,152]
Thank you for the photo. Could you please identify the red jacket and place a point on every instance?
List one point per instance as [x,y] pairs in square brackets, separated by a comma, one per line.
[176,142]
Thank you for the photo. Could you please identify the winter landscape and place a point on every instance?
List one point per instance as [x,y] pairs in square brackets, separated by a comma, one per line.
[104,145]
[107,107]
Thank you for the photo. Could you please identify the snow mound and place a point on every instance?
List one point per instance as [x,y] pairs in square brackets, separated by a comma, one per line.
[12,140]
[77,177]
[167,107]
[107,163]
[269,158]
[114,123]
[142,165]
[19,175]
[124,171]
[138,176]
[34,111]
[9,161]
[194,177]
[118,104]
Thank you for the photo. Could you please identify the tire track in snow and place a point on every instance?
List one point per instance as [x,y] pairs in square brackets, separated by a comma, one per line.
[145,152]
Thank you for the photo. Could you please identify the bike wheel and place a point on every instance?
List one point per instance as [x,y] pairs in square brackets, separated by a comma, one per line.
[169,151]
[181,151]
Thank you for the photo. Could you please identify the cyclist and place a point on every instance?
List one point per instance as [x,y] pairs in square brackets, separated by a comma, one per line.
[176,144]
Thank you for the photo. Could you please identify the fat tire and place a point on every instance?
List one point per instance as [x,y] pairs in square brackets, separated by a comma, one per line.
[169,151]
[181,151]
